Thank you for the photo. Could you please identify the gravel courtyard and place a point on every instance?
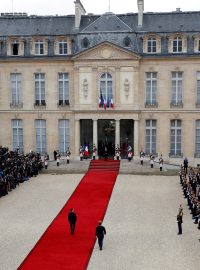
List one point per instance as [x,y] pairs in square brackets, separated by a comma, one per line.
[140,222]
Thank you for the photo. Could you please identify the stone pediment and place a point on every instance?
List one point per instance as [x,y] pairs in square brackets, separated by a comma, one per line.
[106,51]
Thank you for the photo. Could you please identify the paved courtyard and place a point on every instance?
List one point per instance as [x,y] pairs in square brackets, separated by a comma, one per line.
[140,222]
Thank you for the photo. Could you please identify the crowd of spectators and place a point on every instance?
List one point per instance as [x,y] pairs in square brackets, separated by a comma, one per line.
[190,182]
[15,168]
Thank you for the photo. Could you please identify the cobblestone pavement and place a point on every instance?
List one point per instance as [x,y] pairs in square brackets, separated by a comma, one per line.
[140,222]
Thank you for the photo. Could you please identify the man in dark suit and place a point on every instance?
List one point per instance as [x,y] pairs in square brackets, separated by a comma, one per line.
[179,221]
[100,232]
[72,218]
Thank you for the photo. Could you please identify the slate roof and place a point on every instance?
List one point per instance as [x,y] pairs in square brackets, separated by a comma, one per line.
[164,22]
[108,22]
[36,25]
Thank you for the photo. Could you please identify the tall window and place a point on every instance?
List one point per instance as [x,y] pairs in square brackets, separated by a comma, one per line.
[175,138]
[151,45]
[15,48]
[16,89]
[64,135]
[177,45]
[150,145]
[106,86]
[62,47]
[198,45]
[198,88]
[39,89]
[177,88]
[17,134]
[197,146]
[151,88]
[39,47]
[40,134]
[63,84]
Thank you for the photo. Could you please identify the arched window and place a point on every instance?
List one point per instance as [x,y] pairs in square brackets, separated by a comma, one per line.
[127,42]
[85,43]
[106,87]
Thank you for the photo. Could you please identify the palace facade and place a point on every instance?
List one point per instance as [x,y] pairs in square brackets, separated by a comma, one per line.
[84,79]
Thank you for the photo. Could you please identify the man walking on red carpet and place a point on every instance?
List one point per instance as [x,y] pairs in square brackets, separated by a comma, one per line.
[100,231]
[72,218]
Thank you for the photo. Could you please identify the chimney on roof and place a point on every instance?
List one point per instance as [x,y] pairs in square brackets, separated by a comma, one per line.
[140,12]
[178,10]
[79,11]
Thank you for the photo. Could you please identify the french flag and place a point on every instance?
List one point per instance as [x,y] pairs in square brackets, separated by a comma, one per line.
[101,101]
[86,151]
[105,104]
[111,103]
[108,103]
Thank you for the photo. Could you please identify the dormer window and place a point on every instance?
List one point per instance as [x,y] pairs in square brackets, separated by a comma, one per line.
[85,43]
[127,42]
[177,45]
[62,44]
[197,43]
[39,47]
[151,45]
[15,48]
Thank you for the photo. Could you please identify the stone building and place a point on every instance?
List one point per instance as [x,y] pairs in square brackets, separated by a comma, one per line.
[84,79]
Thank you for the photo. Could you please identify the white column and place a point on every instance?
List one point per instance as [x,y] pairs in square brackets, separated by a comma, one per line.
[117,133]
[77,137]
[136,137]
[95,132]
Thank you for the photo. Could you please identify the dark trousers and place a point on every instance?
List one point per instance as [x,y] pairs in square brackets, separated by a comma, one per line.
[179,227]
[185,169]
[141,162]
[67,161]
[72,227]
[100,242]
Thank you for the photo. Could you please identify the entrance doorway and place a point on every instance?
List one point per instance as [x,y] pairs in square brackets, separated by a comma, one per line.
[106,138]
[126,136]
[86,134]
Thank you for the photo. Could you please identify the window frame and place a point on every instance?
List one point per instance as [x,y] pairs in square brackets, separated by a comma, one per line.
[197,138]
[39,46]
[175,126]
[151,90]
[176,88]
[63,89]
[39,87]
[151,126]
[177,44]
[64,134]
[16,89]
[40,132]
[151,45]
[106,80]
[62,47]
[17,135]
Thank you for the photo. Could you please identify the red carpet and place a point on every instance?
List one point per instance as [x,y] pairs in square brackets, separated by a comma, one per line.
[57,248]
